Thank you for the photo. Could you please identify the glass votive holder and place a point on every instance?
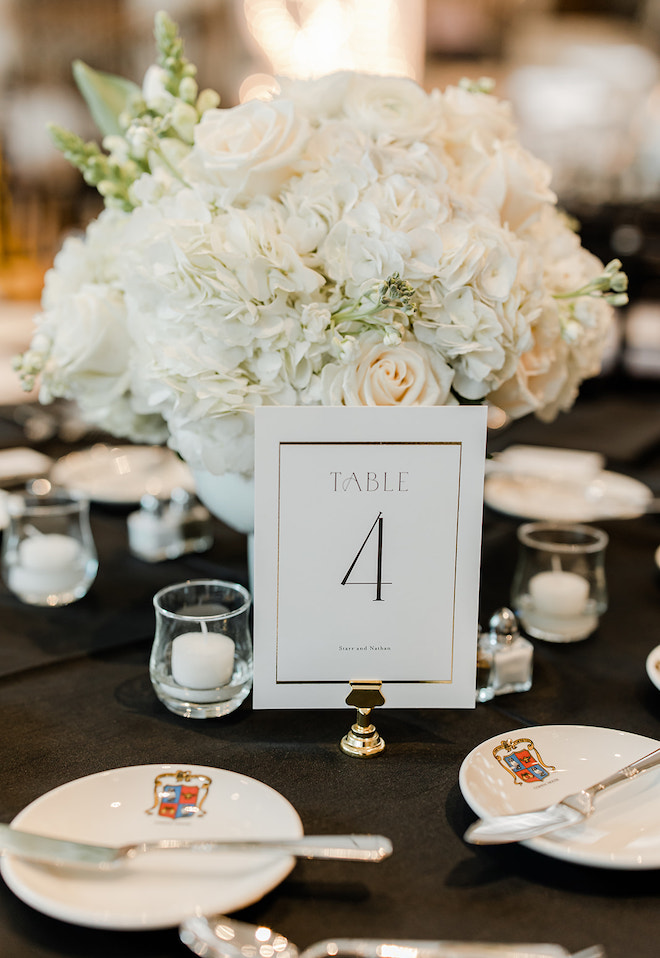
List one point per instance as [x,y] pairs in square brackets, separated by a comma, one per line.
[48,552]
[201,659]
[559,589]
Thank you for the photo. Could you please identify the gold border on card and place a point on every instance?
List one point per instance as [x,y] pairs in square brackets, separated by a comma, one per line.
[376,442]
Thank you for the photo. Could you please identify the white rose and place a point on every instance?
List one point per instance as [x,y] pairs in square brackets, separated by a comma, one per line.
[544,383]
[253,147]
[394,106]
[88,259]
[473,122]
[548,375]
[410,374]
[513,183]
[317,98]
[89,362]
[90,339]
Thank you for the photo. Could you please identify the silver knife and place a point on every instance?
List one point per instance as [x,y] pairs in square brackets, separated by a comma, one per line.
[40,848]
[569,811]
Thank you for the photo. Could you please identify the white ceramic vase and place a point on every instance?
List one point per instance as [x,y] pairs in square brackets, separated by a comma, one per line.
[230,498]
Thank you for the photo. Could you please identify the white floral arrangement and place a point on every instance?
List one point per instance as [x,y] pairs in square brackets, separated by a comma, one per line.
[354,240]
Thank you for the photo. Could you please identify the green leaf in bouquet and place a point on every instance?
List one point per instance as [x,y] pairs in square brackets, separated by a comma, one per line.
[106,95]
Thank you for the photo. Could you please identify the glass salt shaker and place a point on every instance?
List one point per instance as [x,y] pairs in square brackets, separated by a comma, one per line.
[150,533]
[192,521]
[504,658]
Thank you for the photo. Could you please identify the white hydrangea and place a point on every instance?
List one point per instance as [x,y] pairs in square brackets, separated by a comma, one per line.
[245,273]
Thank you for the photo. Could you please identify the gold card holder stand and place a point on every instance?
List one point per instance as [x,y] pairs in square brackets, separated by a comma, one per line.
[362,739]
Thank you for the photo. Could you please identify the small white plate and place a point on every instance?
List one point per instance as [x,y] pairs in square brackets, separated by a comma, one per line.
[121,474]
[653,666]
[624,830]
[20,463]
[610,494]
[148,803]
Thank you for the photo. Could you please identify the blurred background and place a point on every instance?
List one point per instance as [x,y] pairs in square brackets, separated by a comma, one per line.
[583,77]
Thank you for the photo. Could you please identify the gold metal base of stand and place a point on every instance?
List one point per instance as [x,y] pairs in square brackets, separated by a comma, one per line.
[362,740]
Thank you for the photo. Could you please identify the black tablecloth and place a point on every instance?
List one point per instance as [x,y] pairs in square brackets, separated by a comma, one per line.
[75,699]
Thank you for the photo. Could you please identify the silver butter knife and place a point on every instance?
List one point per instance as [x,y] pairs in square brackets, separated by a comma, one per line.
[569,811]
[40,848]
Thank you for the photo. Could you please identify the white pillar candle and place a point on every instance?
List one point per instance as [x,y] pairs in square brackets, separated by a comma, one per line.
[559,593]
[46,565]
[558,608]
[202,660]
[48,552]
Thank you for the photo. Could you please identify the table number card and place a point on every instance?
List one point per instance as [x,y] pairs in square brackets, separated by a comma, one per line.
[367,547]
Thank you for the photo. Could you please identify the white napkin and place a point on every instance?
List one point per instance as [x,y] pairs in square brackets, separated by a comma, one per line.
[544,462]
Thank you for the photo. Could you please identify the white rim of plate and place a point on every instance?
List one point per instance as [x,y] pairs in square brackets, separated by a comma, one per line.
[496,481]
[553,848]
[267,876]
[67,471]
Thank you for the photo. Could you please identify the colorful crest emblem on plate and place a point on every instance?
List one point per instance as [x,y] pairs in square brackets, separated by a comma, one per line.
[522,760]
[179,795]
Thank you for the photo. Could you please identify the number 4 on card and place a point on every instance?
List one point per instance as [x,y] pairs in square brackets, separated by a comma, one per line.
[378,526]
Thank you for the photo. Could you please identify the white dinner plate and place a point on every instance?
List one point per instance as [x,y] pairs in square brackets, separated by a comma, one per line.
[149,803]
[554,500]
[653,666]
[529,768]
[122,474]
